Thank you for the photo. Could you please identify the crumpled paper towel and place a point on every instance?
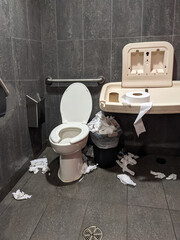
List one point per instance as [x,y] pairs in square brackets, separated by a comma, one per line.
[20,195]
[125,179]
[125,160]
[158,174]
[102,124]
[172,177]
[87,169]
[41,163]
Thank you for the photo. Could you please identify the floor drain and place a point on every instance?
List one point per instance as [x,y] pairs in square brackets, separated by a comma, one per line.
[92,233]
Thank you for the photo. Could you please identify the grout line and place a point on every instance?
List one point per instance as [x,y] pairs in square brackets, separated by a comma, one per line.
[174,21]
[142,18]
[127,209]
[57,59]
[48,202]
[136,205]
[27,15]
[82,19]
[169,209]
[111,41]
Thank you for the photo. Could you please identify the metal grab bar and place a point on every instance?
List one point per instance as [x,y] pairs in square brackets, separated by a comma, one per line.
[49,80]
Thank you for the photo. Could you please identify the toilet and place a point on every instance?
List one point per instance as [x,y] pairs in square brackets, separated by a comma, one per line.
[70,137]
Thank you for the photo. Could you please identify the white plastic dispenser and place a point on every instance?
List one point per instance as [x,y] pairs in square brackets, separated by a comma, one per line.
[146,66]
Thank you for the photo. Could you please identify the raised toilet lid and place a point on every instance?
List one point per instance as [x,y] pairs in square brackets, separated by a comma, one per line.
[76,104]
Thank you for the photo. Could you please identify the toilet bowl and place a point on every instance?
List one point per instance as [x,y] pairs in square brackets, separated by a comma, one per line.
[70,137]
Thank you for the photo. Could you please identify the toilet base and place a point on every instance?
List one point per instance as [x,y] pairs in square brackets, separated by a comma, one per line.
[70,167]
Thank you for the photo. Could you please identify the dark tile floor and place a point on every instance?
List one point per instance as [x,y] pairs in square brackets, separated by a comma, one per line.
[149,211]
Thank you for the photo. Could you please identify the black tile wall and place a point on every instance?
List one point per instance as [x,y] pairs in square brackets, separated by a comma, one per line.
[127,17]
[4,18]
[18,19]
[69,19]
[70,59]
[97,58]
[158,17]
[6,63]
[21,70]
[33,7]
[22,60]
[97,19]
[177,18]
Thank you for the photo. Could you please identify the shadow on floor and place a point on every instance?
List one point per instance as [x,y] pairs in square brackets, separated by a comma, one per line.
[52,175]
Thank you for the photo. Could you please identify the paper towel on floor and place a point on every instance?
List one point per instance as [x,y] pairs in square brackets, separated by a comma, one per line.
[125,168]
[125,179]
[20,195]
[138,124]
[37,164]
[127,159]
[158,174]
[172,177]
[87,169]
[102,124]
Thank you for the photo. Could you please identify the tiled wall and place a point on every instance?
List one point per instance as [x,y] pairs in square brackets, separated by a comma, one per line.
[21,70]
[84,39]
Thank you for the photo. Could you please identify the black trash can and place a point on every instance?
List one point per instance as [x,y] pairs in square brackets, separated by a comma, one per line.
[105,148]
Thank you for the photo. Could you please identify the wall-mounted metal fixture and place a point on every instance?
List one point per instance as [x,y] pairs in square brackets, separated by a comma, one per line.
[4,92]
[49,80]
[35,110]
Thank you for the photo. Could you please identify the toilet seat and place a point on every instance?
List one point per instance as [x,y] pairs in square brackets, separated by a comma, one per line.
[55,134]
[76,104]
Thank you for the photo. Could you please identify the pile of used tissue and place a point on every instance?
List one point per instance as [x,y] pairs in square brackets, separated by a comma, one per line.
[102,124]
[41,163]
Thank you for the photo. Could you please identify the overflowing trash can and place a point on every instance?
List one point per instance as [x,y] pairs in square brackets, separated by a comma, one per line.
[105,133]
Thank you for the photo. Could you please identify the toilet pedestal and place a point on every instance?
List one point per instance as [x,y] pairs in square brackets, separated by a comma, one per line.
[70,167]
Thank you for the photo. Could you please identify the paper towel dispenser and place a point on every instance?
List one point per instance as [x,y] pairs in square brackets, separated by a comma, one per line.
[35,110]
[3,94]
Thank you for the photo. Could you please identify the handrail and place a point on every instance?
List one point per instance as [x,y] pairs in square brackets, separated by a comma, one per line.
[49,80]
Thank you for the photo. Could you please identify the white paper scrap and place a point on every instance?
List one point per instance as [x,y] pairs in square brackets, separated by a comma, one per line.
[125,168]
[158,174]
[172,177]
[41,163]
[87,169]
[125,179]
[132,155]
[138,124]
[20,195]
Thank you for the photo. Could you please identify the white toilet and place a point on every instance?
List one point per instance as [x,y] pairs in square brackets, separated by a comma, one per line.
[70,137]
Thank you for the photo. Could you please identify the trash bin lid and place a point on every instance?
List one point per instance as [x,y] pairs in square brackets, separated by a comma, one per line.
[76,104]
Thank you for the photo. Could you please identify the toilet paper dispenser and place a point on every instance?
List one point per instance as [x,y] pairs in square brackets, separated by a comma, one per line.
[3,94]
[35,110]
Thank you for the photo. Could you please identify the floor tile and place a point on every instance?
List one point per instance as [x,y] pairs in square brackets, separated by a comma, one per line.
[108,188]
[149,223]
[8,199]
[21,218]
[172,191]
[78,190]
[175,215]
[110,219]
[61,220]
[146,185]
